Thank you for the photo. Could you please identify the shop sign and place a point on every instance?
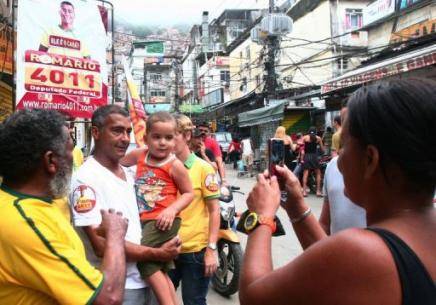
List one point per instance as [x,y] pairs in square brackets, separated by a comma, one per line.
[414,31]
[378,10]
[382,72]
[403,4]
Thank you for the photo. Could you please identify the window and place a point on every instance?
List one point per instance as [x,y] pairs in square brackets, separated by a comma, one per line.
[257,80]
[243,86]
[342,64]
[353,19]
[225,76]
[247,53]
[155,77]
[159,93]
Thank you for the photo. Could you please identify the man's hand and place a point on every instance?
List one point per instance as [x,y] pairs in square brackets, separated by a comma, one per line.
[169,250]
[165,220]
[210,262]
[113,225]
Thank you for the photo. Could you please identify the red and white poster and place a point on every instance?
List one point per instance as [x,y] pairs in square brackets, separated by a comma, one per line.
[61,56]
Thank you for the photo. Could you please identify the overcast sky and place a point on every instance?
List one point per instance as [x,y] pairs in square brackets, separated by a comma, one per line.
[170,12]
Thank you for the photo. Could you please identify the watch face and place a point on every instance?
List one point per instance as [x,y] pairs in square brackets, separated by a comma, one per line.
[250,221]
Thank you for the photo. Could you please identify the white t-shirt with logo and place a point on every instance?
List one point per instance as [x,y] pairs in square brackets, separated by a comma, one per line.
[93,188]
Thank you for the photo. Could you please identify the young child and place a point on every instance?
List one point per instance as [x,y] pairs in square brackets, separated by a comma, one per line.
[160,176]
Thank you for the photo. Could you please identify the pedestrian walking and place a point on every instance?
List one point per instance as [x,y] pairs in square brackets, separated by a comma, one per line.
[289,146]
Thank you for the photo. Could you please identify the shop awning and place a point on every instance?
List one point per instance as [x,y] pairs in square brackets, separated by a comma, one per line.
[413,60]
[248,96]
[191,108]
[261,116]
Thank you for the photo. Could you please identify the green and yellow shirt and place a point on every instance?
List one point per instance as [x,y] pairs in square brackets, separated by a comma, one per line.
[194,230]
[42,258]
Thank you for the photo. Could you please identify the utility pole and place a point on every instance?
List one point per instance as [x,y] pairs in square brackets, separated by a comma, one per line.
[145,83]
[176,79]
[271,78]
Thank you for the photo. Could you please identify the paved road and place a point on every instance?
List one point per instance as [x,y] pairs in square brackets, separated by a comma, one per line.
[284,247]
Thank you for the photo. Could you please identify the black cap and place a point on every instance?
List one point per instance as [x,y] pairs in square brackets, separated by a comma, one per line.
[197,133]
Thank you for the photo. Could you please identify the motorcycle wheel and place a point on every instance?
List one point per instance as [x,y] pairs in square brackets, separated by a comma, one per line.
[225,281]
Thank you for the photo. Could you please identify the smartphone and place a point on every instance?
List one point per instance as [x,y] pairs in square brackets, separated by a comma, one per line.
[276,154]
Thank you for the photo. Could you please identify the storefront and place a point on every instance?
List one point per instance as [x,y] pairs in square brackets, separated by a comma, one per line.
[416,63]
[262,123]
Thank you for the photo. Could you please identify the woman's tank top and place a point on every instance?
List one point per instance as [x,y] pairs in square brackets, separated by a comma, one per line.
[416,284]
[310,147]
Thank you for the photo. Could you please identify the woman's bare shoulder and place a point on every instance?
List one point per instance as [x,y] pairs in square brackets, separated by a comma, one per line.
[354,260]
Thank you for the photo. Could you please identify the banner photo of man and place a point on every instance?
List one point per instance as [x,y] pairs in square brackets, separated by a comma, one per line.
[61,58]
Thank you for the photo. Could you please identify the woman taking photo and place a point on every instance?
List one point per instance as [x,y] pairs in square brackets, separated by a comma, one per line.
[392,262]
[311,159]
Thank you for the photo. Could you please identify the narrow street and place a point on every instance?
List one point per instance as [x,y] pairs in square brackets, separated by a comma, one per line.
[285,247]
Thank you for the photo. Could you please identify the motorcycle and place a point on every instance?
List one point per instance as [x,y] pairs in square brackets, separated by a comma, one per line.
[226,279]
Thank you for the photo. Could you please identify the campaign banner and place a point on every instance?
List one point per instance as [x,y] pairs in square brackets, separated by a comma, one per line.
[136,109]
[61,58]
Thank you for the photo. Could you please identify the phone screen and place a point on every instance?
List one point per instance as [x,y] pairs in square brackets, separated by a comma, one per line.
[276,154]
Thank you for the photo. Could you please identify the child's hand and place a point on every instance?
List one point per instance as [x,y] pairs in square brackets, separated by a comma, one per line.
[164,221]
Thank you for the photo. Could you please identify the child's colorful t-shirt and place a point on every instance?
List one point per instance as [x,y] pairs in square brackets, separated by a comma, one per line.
[154,187]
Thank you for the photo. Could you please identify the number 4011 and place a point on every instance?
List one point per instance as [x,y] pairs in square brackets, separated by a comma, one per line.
[58,77]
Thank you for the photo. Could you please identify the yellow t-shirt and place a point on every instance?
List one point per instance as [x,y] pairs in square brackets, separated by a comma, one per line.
[64,42]
[194,230]
[336,141]
[42,261]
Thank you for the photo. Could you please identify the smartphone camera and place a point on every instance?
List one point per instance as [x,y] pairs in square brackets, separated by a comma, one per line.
[276,154]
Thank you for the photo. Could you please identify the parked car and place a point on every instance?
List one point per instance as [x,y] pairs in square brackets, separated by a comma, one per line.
[224,139]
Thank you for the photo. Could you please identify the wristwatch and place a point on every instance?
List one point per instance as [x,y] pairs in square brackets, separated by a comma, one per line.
[253,220]
[212,246]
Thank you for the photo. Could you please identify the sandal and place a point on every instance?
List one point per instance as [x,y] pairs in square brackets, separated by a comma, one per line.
[304,194]
[319,194]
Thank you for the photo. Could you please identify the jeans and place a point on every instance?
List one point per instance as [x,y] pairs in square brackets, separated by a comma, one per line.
[190,271]
[142,296]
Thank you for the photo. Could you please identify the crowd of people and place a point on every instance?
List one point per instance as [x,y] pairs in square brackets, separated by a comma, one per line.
[136,238]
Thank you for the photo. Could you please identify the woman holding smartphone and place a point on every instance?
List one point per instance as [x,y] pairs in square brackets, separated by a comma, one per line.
[392,261]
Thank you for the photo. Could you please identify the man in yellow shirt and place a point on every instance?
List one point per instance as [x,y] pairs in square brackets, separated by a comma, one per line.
[42,259]
[198,259]
[63,39]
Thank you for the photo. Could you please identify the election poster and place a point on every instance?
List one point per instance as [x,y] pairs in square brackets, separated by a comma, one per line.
[136,109]
[61,57]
